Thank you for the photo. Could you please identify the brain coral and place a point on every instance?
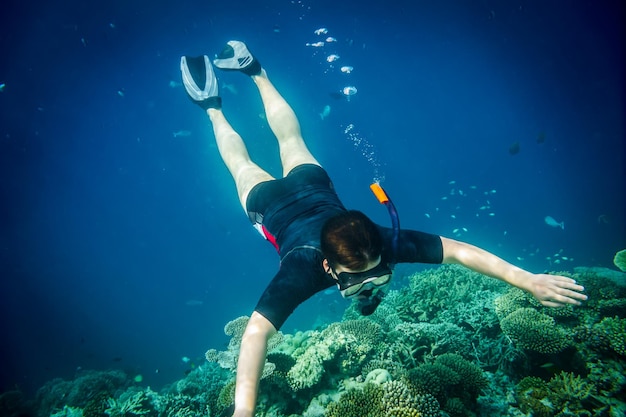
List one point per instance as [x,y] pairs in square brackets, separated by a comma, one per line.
[533,330]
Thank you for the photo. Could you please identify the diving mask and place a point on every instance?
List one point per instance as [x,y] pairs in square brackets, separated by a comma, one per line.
[352,284]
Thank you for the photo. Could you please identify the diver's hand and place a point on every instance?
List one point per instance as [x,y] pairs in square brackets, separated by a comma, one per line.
[555,290]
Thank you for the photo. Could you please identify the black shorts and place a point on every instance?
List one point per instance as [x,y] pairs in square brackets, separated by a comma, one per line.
[287,209]
[265,193]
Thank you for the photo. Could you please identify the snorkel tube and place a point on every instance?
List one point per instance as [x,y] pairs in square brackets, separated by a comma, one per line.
[367,306]
[383,198]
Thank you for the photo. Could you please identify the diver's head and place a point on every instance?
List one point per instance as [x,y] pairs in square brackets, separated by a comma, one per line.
[352,246]
[352,240]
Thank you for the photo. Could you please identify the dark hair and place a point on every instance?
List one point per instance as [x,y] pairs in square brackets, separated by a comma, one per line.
[351,239]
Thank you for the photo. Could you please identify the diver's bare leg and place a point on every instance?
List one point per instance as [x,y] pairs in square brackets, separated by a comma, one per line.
[233,151]
[284,124]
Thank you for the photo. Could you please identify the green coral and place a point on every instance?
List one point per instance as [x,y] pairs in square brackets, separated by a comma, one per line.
[366,332]
[535,331]
[565,394]
[68,412]
[450,376]
[532,394]
[362,402]
[348,344]
[86,387]
[227,394]
[131,403]
[396,395]
[392,398]
[472,379]
[620,260]
[614,330]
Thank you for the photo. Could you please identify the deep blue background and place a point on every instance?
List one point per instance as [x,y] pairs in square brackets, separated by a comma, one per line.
[110,225]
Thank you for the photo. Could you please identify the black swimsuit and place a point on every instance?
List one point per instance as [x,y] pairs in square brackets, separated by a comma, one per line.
[290,213]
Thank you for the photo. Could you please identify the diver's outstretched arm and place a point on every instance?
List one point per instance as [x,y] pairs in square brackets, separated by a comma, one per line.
[250,364]
[550,290]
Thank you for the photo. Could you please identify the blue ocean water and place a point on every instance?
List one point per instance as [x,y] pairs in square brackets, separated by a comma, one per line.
[124,245]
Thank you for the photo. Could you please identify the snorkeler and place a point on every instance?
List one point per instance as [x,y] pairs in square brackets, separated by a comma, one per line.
[320,243]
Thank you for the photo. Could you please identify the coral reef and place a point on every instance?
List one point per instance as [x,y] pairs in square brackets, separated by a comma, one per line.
[472,347]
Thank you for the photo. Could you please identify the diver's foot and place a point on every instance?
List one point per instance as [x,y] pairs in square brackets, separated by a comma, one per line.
[236,57]
[200,81]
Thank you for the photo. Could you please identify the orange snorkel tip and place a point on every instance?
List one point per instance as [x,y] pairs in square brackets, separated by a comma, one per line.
[380,194]
[383,198]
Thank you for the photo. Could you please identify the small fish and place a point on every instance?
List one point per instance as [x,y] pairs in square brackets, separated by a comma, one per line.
[550,221]
[2,86]
[346,69]
[453,216]
[229,87]
[315,44]
[427,215]
[514,148]
[174,84]
[325,112]
[181,133]
[541,137]
[455,231]
[464,229]
[185,359]
[120,93]
[332,58]
[493,191]
[321,31]
[330,39]
[492,214]
[452,182]
[483,207]
[519,258]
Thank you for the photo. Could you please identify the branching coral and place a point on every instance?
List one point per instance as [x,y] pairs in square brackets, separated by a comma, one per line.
[362,402]
[564,394]
[614,329]
[228,359]
[535,331]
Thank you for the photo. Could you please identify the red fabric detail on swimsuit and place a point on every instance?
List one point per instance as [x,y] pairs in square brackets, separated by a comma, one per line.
[270,237]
